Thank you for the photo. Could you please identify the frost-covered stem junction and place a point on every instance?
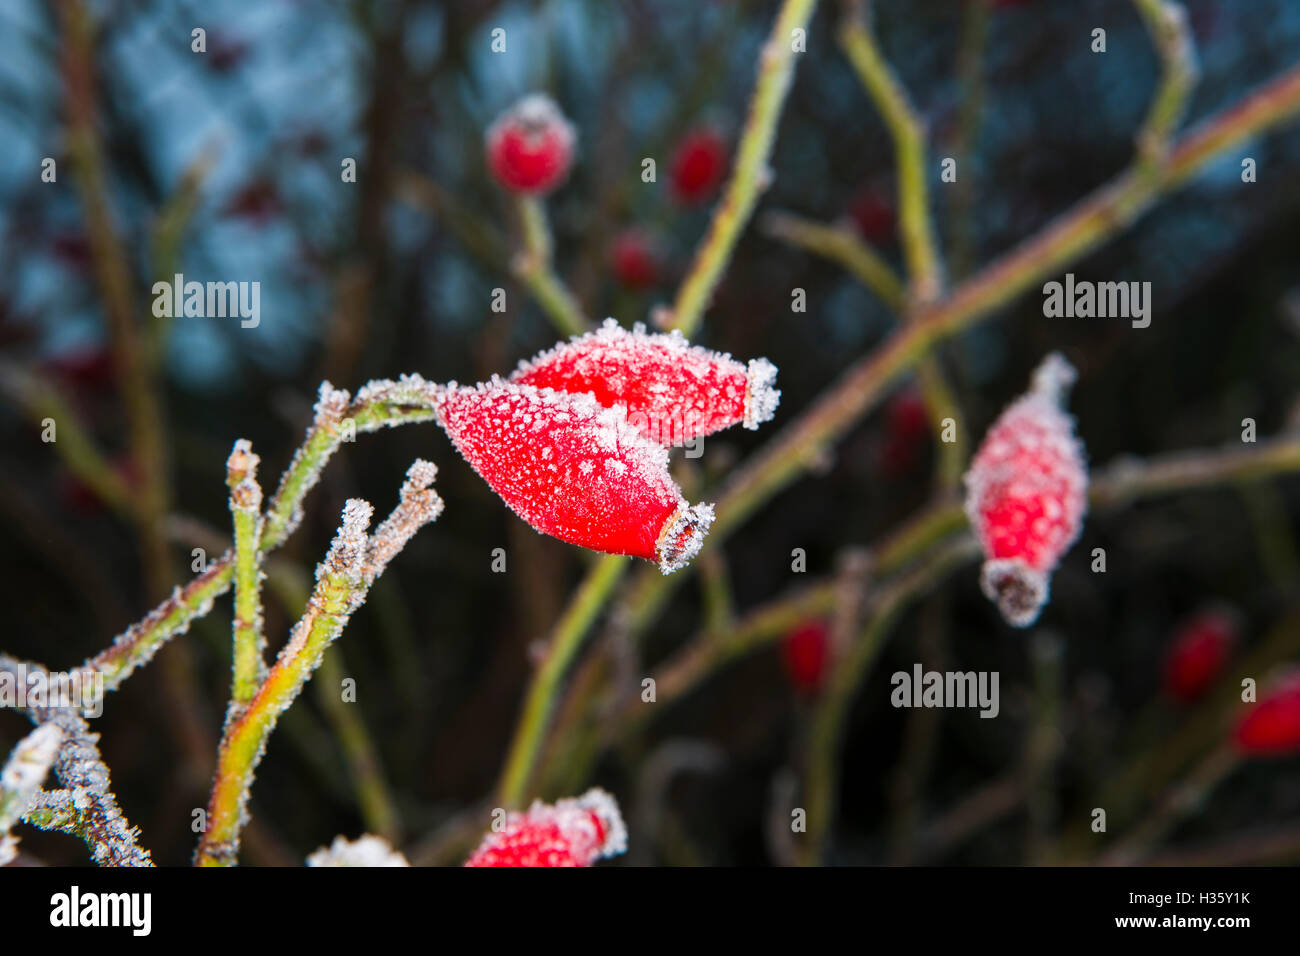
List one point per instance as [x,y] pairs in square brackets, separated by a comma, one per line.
[380,404]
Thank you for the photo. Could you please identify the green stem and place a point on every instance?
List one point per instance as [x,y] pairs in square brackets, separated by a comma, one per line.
[537,271]
[839,245]
[246,511]
[540,702]
[751,173]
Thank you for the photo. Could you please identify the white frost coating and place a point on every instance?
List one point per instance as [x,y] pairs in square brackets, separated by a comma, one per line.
[604,806]
[676,551]
[21,779]
[761,395]
[611,333]
[31,760]
[537,113]
[1053,377]
[366,850]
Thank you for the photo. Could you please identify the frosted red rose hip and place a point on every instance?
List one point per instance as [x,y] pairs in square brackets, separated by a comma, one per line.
[530,146]
[574,469]
[573,832]
[1026,494]
[672,391]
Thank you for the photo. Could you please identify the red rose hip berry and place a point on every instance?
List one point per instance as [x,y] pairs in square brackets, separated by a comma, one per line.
[1271,728]
[672,391]
[573,832]
[698,165]
[1026,494]
[574,469]
[530,146]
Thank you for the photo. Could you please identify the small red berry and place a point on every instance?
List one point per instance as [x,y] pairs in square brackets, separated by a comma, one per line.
[575,470]
[907,426]
[872,213]
[530,146]
[698,165]
[634,260]
[1026,494]
[1197,653]
[672,391]
[257,201]
[89,367]
[573,832]
[806,654]
[1271,728]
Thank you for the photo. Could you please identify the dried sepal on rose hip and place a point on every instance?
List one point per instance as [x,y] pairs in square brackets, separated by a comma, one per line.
[1026,494]
[673,391]
[530,146]
[573,832]
[574,469]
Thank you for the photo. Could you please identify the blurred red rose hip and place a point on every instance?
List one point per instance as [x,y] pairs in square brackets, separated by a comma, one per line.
[1197,653]
[1271,727]
[698,165]
[634,260]
[1026,494]
[806,655]
[530,146]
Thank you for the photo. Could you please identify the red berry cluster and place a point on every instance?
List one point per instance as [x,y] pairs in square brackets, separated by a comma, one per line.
[1026,494]
[576,441]
[572,832]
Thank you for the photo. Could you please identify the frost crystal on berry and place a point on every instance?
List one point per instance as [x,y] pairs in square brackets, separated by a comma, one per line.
[530,146]
[573,832]
[574,469]
[1026,494]
[672,391]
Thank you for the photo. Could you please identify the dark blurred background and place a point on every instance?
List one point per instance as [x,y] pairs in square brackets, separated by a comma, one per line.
[394,273]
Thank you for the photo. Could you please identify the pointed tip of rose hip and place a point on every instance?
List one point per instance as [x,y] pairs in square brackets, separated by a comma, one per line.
[761,395]
[683,536]
[1019,591]
[1054,377]
[602,805]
